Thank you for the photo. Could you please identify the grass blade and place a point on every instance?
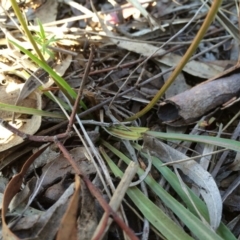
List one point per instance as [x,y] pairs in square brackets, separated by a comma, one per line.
[154,214]
[190,220]
[30,111]
[172,179]
[221,142]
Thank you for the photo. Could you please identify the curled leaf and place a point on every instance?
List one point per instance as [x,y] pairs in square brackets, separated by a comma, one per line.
[203,179]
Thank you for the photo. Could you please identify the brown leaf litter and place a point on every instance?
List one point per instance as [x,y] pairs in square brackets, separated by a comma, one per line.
[135,48]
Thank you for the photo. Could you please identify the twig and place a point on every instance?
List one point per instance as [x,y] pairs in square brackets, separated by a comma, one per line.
[98,106]
[80,91]
[116,199]
[95,192]
[26,136]
[209,18]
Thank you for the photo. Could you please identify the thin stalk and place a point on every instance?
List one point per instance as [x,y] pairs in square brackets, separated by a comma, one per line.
[25,28]
[208,20]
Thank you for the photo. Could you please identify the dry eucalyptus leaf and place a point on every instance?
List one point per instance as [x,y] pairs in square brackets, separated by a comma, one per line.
[59,167]
[20,200]
[88,219]
[47,12]
[195,68]
[8,95]
[203,149]
[33,83]
[203,179]
[46,224]
[11,190]
[68,225]
[47,156]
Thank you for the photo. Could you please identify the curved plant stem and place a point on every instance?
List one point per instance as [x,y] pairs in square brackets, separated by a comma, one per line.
[209,18]
[25,28]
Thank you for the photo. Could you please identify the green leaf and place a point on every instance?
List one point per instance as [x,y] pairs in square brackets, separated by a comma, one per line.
[172,179]
[41,30]
[30,111]
[190,220]
[58,80]
[221,142]
[155,215]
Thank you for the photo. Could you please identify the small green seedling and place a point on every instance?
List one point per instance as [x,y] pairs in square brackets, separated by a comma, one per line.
[43,40]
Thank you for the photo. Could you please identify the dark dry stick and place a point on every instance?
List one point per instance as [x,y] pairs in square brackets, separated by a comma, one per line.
[95,192]
[125,65]
[98,106]
[68,156]
[34,138]
[80,90]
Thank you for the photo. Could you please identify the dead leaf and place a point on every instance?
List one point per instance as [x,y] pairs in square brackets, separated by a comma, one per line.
[87,221]
[32,83]
[10,191]
[47,156]
[203,179]
[20,200]
[8,94]
[55,191]
[68,225]
[47,12]
[45,225]
[19,206]
[9,156]
[59,167]
[204,161]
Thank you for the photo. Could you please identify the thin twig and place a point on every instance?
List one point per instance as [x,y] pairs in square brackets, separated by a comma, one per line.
[95,192]
[98,106]
[80,91]
[26,136]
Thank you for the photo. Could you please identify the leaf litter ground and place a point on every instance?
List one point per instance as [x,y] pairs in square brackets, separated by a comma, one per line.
[135,45]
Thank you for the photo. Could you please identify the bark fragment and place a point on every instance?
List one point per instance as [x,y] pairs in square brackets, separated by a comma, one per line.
[189,106]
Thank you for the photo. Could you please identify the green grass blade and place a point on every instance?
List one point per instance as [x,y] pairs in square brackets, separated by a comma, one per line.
[63,85]
[59,80]
[221,142]
[172,179]
[155,215]
[25,28]
[190,220]
[30,111]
